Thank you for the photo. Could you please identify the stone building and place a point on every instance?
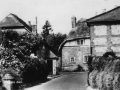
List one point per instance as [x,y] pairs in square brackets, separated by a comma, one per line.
[74,53]
[105,32]
[76,48]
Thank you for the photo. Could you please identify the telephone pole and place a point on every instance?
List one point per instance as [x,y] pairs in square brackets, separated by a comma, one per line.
[36,26]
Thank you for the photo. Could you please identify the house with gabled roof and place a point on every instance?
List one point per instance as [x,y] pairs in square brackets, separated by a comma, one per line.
[105,32]
[12,21]
[75,50]
[74,53]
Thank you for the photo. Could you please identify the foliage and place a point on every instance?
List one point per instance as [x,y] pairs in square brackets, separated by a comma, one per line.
[108,75]
[107,54]
[34,71]
[92,79]
[99,63]
[16,57]
[55,40]
[81,30]
[46,28]
[116,81]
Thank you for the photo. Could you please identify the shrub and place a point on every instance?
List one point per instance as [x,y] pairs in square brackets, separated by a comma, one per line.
[116,81]
[98,63]
[34,71]
[92,79]
[108,81]
[106,73]
[100,80]
[16,57]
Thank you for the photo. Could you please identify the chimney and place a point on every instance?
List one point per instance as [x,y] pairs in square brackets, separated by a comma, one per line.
[73,22]
[29,22]
[34,29]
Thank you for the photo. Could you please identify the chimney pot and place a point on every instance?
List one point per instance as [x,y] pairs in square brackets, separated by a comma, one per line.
[29,22]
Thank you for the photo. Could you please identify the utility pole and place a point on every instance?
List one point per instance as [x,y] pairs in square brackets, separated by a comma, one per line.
[36,26]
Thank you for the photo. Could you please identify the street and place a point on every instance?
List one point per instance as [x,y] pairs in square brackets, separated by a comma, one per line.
[70,81]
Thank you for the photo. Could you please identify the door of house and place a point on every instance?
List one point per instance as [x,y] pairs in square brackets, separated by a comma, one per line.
[50,66]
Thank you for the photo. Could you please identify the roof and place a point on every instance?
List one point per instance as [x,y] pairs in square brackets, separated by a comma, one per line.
[109,16]
[72,39]
[53,53]
[12,21]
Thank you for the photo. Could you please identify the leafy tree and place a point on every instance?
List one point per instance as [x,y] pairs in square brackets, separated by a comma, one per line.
[53,40]
[16,57]
[81,29]
[46,28]
[58,39]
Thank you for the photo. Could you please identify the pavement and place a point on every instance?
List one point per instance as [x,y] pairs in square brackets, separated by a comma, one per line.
[65,81]
[90,88]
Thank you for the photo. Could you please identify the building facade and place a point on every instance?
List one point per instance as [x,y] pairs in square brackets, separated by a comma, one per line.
[105,32]
[74,52]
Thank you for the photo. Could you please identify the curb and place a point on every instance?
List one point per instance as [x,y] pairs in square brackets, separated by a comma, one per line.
[54,76]
[90,88]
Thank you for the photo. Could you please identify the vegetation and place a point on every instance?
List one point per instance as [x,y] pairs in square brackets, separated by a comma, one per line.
[15,57]
[53,40]
[106,72]
[81,29]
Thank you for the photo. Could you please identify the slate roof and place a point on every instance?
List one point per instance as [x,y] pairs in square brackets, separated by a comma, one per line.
[109,16]
[12,21]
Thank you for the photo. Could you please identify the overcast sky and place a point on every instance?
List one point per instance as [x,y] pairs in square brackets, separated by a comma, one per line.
[57,12]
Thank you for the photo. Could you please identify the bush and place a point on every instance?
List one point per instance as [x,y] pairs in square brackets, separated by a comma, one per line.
[100,80]
[108,81]
[16,57]
[92,79]
[106,73]
[35,71]
[116,81]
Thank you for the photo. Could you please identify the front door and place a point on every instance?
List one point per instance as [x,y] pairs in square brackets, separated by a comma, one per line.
[50,66]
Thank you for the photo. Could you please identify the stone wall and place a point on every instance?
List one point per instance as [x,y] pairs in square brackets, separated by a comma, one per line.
[79,56]
[105,38]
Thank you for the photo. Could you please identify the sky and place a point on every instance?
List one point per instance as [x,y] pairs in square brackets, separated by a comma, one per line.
[57,12]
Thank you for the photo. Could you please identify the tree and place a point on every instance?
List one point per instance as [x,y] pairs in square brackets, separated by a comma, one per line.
[16,57]
[81,29]
[53,40]
[58,39]
[46,28]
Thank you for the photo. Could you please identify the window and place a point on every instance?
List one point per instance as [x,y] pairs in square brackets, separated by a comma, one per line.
[80,42]
[72,59]
[85,58]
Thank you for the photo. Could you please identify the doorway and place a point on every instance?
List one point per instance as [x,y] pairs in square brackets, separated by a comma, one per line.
[50,66]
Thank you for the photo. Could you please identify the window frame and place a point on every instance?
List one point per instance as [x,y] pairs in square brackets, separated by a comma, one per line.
[72,61]
[80,42]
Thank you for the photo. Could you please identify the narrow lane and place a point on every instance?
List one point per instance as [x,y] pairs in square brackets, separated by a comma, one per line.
[71,81]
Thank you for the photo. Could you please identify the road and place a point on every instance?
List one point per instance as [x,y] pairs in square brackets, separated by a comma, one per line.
[70,81]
